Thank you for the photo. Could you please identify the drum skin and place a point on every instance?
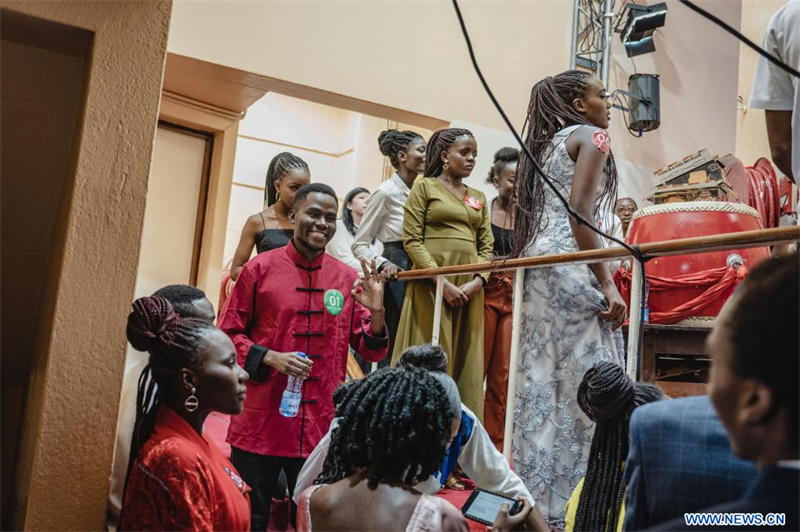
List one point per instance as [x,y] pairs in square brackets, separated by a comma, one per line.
[672,221]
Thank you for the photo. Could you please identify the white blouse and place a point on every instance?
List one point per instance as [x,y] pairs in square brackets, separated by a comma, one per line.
[340,246]
[383,219]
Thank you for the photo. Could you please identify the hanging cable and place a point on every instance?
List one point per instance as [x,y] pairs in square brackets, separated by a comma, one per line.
[633,250]
[624,104]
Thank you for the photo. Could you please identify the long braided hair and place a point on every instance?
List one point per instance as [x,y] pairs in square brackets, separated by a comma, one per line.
[549,111]
[393,141]
[608,396]
[396,422]
[173,344]
[438,144]
[278,166]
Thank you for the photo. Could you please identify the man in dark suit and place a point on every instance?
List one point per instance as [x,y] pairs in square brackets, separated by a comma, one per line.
[679,461]
[755,352]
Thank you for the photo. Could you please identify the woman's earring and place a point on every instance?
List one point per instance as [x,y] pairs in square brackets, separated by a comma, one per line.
[277,194]
[446,166]
[191,402]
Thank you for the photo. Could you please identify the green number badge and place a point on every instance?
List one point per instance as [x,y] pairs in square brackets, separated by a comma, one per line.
[334,301]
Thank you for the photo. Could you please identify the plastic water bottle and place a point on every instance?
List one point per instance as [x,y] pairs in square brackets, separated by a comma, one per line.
[292,395]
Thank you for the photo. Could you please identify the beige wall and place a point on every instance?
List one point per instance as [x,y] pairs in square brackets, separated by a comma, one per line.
[61,476]
[31,188]
[698,64]
[408,55]
[411,55]
[751,130]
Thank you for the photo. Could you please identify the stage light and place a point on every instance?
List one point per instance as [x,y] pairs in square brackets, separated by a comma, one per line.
[644,109]
[645,46]
[643,21]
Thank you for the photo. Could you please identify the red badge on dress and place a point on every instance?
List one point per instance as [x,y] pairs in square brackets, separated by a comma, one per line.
[601,140]
[473,202]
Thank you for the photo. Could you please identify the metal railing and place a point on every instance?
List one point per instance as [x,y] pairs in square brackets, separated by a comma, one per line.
[729,241]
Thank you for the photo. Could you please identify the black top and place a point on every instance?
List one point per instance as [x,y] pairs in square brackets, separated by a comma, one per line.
[502,241]
[270,239]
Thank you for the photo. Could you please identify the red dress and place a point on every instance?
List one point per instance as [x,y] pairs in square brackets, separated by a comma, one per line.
[180,481]
[285,303]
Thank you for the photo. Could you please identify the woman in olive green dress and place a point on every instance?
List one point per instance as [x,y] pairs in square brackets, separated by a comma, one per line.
[447,223]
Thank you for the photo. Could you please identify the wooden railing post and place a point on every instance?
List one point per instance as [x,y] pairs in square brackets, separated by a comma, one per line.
[437,311]
[516,329]
[635,323]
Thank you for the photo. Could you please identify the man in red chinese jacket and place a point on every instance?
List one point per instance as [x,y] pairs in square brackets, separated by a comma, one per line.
[289,300]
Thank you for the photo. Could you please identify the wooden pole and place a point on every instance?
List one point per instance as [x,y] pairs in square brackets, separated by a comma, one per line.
[637,300]
[516,328]
[437,310]
[703,244]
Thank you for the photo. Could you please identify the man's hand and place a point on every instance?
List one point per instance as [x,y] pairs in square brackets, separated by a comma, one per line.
[511,523]
[368,290]
[389,270]
[291,364]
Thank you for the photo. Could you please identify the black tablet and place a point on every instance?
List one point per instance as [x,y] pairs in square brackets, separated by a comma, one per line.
[483,506]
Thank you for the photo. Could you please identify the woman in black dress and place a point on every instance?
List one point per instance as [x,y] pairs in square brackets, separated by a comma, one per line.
[271,229]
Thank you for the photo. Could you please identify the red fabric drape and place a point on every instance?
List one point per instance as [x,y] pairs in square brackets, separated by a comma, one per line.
[717,281]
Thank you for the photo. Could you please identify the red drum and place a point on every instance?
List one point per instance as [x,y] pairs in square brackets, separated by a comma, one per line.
[672,221]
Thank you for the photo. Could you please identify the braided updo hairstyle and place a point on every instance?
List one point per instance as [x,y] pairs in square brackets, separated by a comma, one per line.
[438,144]
[549,111]
[278,166]
[426,356]
[608,396]
[396,422]
[393,141]
[173,344]
[502,157]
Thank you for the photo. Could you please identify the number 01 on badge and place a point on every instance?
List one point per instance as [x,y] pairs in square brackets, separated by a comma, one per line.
[334,302]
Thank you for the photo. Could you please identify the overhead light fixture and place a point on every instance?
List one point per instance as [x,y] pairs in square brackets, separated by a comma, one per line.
[644,103]
[643,21]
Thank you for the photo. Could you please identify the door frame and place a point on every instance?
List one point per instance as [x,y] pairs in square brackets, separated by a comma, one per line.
[221,127]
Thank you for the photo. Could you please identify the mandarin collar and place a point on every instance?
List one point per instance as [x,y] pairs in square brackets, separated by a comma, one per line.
[300,260]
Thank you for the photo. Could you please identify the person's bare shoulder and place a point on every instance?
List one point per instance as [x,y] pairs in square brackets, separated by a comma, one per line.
[254,224]
[321,502]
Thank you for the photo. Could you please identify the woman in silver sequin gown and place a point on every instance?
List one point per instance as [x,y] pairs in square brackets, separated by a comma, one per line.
[569,312]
